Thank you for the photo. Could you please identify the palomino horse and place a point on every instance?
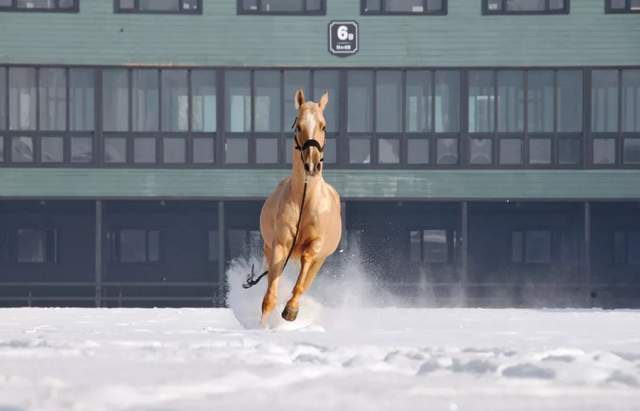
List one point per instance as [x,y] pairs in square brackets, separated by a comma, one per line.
[315,225]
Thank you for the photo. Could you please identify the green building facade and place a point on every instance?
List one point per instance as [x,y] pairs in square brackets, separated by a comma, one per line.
[487,151]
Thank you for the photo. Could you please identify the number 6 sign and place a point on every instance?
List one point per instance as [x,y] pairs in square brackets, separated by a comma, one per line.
[343,38]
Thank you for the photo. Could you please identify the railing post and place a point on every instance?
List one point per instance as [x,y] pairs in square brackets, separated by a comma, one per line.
[98,254]
[586,252]
[464,240]
[221,253]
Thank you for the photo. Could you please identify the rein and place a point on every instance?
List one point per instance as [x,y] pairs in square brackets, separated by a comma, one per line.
[251,277]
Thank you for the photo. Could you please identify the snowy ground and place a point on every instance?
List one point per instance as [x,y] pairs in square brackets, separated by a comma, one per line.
[368,359]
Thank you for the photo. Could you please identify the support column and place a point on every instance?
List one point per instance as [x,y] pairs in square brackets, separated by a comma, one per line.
[464,242]
[98,253]
[343,239]
[221,245]
[586,252]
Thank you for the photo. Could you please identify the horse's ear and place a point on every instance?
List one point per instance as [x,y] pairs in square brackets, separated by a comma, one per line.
[299,99]
[324,100]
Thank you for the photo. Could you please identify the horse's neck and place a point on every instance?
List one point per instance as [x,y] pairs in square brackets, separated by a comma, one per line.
[297,180]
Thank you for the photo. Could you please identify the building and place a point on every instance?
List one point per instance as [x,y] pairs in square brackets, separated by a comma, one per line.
[483,148]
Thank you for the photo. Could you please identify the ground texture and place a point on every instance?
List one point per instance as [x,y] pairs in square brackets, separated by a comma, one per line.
[365,359]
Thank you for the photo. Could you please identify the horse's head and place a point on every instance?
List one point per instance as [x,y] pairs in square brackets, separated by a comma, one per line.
[309,131]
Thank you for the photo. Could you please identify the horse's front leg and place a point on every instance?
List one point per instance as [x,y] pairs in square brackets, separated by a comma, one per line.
[270,299]
[311,264]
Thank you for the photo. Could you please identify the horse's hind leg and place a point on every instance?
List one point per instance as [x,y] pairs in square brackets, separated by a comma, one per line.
[308,271]
[276,260]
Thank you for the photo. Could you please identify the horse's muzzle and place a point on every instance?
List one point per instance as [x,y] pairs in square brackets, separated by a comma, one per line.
[312,169]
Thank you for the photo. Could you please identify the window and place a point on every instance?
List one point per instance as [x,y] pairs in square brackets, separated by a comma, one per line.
[68,6]
[626,247]
[481,101]
[306,7]
[36,245]
[158,6]
[82,99]
[622,6]
[175,100]
[133,246]
[429,246]
[403,7]
[115,100]
[531,246]
[604,101]
[525,6]
[3,98]
[52,96]
[22,98]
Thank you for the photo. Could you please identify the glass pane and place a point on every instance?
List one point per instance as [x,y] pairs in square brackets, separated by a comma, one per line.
[22,149]
[145,99]
[283,6]
[633,243]
[250,5]
[435,246]
[203,150]
[330,151]
[634,5]
[328,80]
[22,98]
[447,151]
[435,5]
[115,100]
[516,246]
[540,151]
[604,151]
[159,5]
[174,150]
[127,4]
[144,150]
[481,101]
[293,80]
[494,5]
[418,102]
[51,149]
[510,151]
[389,151]
[237,150]
[415,246]
[32,246]
[511,101]
[3,98]
[6,3]
[569,151]
[288,150]
[66,4]
[238,100]
[417,151]
[404,6]
[631,151]
[213,245]
[360,101]
[537,247]
[481,151]
[619,247]
[203,100]
[190,5]
[175,100]
[82,99]
[388,101]
[540,107]
[314,5]
[2,149]
[447,117]
[372,6]
[133,246]
[266,150]
[359,151]
[52,88]
[604,100]
[36,4]
[154,245]
[630,100]
[556,4]
[525,5]
[569,104]
[267,100]
[81,149]
[115,150]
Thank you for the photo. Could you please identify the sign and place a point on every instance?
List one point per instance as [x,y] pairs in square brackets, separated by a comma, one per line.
[343,38]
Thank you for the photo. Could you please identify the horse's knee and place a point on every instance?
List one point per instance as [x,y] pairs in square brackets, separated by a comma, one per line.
[268,302]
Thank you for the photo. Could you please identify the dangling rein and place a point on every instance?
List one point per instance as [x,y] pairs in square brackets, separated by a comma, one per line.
[251,277]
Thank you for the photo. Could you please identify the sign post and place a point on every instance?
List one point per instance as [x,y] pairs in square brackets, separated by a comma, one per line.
[343,38]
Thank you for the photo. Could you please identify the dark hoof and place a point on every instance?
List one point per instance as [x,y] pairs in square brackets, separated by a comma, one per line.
[289,314]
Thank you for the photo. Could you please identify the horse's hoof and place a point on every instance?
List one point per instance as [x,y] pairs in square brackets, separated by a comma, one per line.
[289,314]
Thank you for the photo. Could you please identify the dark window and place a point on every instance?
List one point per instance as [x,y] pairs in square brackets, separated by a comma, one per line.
[447,151]
[622,6]
[203,100]
[437,7]
[308,7]
[52,89]
[626,247]
[175,100]
[158,6]
[81,149]
[39,5]
[145,100]
[294,80]
[525,6]
[604,151]
[22,150]
[2,160]
[569,103]
[510,101]
[429,246]
[630,100]
[3,98]
[51,150]
[133,246]
[267,101]
[360,101]
[604,101]
[447,101]
[389,101]
[328,80]
[238,101]
[531,246]
[115,100]
[418,101]
[481,151]
[81,99]
[115,150]
[36,245]
[22,98]
[481,101]
[540,101]
[174,150]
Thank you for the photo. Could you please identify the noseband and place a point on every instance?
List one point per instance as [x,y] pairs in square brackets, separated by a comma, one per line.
[309,143]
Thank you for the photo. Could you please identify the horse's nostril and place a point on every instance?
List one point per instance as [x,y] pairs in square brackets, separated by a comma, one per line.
[318,167]
[306,167]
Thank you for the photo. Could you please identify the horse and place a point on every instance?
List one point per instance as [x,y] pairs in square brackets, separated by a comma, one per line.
[301,218]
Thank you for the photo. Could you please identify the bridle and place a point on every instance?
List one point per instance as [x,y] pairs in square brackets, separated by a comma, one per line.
[312,142]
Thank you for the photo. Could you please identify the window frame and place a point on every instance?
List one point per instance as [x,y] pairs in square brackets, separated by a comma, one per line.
[259,12]
[443,12]
[523,250]
[450,244]
[504,12]
[113,246]
[136,9]
[52,245]
[14,8]
[627,8]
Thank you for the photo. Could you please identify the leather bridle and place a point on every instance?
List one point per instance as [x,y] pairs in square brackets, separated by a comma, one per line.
[312,142]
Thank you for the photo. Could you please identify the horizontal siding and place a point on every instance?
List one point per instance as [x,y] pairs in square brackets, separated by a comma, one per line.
[219,37]
[351,184]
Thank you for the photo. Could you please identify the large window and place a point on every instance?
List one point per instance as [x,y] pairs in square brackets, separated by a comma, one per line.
[158,6]
[309,7]
[403,7]
[429,246]
[525,6]
[133,246]
[531,247]
[36,245]
[622,6]
[626,247]
[39,5]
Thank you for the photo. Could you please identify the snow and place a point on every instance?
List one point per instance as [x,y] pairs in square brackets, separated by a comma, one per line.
[346,351]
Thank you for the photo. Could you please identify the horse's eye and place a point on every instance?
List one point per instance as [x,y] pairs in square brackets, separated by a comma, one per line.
[324,128]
